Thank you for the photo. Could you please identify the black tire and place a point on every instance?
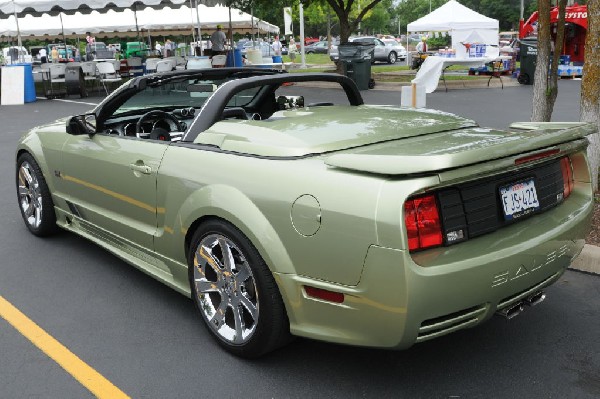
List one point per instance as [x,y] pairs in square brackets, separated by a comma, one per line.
[392,57]
[34,198]
[254,292]
[523,79]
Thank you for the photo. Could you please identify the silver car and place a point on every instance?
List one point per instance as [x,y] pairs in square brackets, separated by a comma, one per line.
[387,52]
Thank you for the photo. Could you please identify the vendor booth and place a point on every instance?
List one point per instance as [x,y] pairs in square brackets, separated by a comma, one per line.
[460,23]
[576,23]
[474,43]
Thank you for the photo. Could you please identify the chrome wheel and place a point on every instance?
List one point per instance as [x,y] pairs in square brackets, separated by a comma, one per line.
[226,289]
[392,58]
[30,195]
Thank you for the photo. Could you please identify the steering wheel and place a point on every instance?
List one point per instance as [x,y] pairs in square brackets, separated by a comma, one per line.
[158,114]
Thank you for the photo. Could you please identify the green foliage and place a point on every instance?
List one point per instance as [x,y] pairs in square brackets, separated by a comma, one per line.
[439,42]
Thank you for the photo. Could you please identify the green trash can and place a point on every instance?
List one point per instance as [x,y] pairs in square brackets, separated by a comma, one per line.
[356,62]
[528,55]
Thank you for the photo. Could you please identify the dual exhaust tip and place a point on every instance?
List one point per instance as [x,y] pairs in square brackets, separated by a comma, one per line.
[516,308]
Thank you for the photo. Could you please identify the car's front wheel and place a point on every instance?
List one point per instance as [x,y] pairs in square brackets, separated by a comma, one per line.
[235,292]
[35,200]
[392,57]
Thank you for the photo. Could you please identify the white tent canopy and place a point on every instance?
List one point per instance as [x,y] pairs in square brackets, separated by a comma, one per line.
[460,22]
[53,7]
[166,19]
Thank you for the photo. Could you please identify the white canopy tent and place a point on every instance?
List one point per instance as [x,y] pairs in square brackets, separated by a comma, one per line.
[461,23]
[54,7]
[165,20]
[21,8]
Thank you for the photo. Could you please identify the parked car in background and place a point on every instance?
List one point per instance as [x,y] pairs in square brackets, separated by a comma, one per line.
[310,40]
[316,48]
[13,53]
[264,47]
[66,53]
[506,38]
[397,47]
[101,52]
[389,53]
[137,49]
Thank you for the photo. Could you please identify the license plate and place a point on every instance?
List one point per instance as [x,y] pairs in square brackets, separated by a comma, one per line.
[519,199]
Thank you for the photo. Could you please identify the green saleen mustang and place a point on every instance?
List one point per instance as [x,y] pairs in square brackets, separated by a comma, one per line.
[364,225]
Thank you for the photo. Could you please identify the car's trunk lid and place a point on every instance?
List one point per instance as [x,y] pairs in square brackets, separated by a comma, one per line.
[446,150]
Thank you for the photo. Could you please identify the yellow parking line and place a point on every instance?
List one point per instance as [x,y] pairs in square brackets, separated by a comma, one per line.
[87,376]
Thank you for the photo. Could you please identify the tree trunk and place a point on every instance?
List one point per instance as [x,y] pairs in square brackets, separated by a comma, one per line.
[590,86]
[558,49]
[541,112]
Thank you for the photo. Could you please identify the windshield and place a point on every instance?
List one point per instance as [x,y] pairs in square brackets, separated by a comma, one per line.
[182,92]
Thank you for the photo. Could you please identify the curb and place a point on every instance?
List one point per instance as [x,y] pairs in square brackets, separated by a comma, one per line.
[588,261]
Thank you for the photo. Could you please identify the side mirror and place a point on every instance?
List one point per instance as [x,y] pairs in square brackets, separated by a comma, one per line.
[82,124]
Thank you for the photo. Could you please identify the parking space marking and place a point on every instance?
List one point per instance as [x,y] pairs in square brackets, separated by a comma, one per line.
[81,371]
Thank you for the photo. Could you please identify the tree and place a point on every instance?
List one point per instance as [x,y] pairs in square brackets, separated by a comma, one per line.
[545,85]
[590,85]
[344,11]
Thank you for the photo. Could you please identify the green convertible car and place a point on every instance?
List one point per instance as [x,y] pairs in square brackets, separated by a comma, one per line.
[367,225]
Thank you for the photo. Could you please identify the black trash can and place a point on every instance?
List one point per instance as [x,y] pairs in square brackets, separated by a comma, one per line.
[528,55]
[75,79]
[356,62]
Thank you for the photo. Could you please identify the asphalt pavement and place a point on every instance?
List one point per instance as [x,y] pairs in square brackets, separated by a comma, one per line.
[149,342]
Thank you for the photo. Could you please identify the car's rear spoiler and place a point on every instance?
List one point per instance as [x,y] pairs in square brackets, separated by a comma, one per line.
[534,137]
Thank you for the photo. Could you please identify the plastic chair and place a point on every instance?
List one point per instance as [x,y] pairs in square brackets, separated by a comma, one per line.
[107,74]
[135,66]
[164,66]
[151,64]
[219,61]
[57,75]
[198,63]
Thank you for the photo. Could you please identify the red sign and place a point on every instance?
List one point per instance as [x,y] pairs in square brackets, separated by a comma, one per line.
[574,14]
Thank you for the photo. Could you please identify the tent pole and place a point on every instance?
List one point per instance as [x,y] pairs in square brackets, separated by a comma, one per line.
[19,41]
[199,29]
[62,29]
[137,29]
[192,26]
[230,34]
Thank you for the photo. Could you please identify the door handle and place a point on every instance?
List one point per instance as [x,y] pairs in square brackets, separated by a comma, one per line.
[145,169]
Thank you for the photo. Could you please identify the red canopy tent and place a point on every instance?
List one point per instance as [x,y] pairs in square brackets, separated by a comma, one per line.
[576,29]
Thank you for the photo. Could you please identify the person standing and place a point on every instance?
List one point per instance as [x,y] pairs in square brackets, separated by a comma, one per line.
[43,55]
[292,49]
[158,49]
[422,45]
[276,46]
[89,42]
[218,40]
[169,48]
[54,54]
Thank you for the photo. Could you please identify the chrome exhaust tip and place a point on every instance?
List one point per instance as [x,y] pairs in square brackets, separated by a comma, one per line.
[511,311]
[535,298]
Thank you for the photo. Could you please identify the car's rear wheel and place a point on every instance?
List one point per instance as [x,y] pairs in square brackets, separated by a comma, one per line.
[35,200]
[235,292]
[392,57]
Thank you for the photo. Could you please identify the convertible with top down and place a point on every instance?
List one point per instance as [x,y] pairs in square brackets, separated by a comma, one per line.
[282,215]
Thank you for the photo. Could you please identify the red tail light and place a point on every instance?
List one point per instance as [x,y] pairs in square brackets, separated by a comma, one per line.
[567,172]
[422,220]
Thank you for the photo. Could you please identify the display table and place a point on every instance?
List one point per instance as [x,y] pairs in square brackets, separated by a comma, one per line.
[434,67]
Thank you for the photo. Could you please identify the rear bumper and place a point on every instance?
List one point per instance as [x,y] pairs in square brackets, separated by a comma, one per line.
[403,299]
